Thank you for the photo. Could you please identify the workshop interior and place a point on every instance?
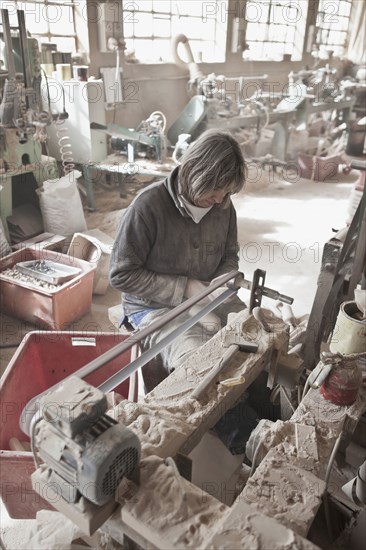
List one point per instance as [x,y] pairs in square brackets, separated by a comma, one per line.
[259,440]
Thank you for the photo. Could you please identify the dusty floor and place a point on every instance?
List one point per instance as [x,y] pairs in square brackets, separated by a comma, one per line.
[283,226]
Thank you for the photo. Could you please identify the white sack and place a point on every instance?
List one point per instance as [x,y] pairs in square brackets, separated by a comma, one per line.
[61,205]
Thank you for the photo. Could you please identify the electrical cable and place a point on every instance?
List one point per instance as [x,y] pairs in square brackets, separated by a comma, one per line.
[306,388]
[274,394]
[48,90]
[63,140]
[48,93]
[298,395]
[155,116]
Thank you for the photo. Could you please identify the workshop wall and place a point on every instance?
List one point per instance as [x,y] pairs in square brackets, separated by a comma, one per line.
[163,87]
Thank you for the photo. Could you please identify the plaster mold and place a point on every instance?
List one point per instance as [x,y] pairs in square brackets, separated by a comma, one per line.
[170,512]
[246,529]
[159,433]
[284,491]
[306,441]
[168,420]
[325,413]
[173,513]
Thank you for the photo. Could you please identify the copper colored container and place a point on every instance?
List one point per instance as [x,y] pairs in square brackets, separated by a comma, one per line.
[50,309]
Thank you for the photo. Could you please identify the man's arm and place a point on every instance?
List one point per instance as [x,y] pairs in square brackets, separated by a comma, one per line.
[127,273]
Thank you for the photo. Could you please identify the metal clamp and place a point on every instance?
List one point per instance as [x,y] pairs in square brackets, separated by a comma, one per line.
[258,290]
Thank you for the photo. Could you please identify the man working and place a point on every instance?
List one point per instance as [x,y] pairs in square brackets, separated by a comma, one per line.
[176,237]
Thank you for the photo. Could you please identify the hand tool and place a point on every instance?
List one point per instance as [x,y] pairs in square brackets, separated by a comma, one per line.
[234,342]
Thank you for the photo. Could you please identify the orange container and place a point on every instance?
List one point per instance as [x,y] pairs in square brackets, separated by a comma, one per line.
[42,360]
[51,309]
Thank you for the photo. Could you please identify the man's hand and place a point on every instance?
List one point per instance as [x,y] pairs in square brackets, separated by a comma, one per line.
[194,287]
[220,290]
[210,321]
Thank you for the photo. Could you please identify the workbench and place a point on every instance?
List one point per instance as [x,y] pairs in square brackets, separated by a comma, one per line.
[118,164]
[279,501]
[308,107]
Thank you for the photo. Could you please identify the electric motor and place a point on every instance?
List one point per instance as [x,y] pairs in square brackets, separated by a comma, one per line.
[87,451]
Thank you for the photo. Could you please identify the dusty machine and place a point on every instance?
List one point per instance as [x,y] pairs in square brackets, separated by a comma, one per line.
[81,454]
[148,140]
[85,453]
[22,122]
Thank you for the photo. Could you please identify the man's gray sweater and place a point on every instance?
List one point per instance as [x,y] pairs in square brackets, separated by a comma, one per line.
[158,247]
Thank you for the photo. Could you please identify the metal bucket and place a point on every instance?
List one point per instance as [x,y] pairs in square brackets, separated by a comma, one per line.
[349,335]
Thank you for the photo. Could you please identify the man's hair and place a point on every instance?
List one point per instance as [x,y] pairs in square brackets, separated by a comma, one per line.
[214,161]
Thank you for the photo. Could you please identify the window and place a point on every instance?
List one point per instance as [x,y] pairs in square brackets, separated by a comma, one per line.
[274,29]
[48,21]
[149,26]
[332,25]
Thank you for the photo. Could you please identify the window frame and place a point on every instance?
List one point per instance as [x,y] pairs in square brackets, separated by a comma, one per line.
[322,28]
[297,27]
[48,35]
[130,16]
[236,34]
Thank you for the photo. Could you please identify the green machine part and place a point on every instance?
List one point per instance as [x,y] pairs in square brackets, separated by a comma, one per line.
[191,117]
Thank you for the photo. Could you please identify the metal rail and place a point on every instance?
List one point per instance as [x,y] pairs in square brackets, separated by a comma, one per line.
[30,408]
[234,280]
[145,357]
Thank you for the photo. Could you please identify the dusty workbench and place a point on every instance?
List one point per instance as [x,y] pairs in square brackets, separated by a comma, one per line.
[279,501]
[167,511]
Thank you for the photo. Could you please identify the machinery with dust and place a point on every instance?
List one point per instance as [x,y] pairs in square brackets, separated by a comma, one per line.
[212,105]
[85,453]
[262,121]
[87,463]
[22,122]
[148,140]
[81,453]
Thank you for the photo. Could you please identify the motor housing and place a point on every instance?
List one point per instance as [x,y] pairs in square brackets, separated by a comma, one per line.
[87,452]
